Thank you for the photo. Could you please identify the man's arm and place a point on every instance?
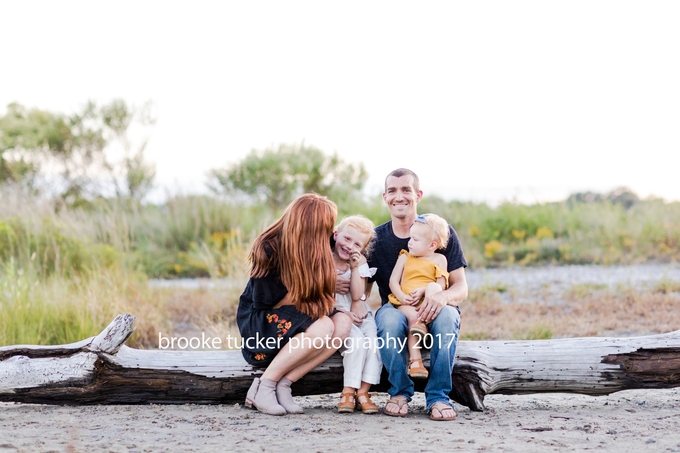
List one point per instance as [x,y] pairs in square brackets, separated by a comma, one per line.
[458,288]
[440,260]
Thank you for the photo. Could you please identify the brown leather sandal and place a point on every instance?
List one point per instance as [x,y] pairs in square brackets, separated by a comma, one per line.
[418,371]
[368,406]
[419,329]
[400,402]
[440,407]
[347,403]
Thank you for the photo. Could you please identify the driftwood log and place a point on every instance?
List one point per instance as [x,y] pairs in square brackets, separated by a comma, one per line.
[102,370]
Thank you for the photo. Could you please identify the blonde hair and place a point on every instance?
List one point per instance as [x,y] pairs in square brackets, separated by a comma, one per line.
[440,228]
[361,224]
[297,246]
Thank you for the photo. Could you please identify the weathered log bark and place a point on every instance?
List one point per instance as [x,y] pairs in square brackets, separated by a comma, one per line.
[102,370]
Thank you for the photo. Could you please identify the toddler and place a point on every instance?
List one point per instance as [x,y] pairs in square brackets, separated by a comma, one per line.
[419,272]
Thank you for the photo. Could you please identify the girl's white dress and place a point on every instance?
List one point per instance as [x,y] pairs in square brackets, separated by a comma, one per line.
[360,356]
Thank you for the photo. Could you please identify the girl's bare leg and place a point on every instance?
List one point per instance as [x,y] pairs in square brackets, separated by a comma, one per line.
[412,342]
[349,390]
[410,312]
[414,346]
[365,387]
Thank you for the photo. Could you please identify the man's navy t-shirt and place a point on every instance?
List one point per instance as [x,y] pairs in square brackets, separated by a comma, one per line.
[385,252]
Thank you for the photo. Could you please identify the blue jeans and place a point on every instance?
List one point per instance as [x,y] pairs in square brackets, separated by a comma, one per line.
[444,329]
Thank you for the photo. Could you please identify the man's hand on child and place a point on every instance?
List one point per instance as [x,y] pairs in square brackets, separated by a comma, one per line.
[342,285]
[431,307]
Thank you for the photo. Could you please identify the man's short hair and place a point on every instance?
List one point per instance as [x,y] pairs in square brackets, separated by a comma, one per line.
[399,172]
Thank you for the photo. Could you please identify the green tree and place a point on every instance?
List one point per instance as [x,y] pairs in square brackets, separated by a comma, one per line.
[621,195]
[277,176]
[27,137]
[81,156]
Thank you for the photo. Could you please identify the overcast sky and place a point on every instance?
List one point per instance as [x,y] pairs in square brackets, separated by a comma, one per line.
[486,101]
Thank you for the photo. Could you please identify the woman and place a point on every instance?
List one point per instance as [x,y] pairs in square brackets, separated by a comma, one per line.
[285,314]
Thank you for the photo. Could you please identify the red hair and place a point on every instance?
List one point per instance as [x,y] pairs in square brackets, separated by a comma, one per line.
[297,245]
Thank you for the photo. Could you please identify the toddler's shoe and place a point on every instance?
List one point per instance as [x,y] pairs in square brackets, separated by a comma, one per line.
[366,406]
[419,329]
[347,403]
[418,370]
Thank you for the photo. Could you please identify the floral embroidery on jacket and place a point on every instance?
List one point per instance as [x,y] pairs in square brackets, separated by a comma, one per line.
[282,325]
[260,356]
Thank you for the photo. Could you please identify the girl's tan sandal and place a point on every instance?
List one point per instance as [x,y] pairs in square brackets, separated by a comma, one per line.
[347,403]
[368,406]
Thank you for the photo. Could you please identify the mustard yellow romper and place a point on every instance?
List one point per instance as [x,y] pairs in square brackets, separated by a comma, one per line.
[418,272]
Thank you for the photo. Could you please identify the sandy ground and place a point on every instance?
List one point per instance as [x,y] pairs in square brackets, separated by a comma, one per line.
[632,420]
[629,421]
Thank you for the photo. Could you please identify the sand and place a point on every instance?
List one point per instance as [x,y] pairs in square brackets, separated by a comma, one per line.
[632,420]
[628,421]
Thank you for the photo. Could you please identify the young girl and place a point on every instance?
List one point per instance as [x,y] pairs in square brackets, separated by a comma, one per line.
[419,272]
[361,359]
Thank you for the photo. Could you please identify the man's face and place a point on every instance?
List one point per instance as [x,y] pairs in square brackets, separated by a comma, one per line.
[400,197]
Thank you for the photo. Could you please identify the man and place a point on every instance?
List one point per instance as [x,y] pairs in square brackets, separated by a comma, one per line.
[402,195]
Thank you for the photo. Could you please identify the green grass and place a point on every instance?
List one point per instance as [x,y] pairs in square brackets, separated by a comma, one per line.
[43,311]
[474,336]
[666,286]
[581,290]
[64,273]
[536,333]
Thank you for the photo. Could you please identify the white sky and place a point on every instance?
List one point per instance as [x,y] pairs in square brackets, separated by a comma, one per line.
[486,101]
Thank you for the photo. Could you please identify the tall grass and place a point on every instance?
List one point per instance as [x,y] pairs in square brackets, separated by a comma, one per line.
[65,273]
[57,310]
[556,233]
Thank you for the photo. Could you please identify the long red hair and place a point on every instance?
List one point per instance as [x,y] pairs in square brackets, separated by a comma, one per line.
[298,245]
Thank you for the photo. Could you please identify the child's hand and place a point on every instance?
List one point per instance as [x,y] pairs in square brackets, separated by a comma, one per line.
[408,300]
[356,320]
[418,293]
[359,309]
[356,259]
